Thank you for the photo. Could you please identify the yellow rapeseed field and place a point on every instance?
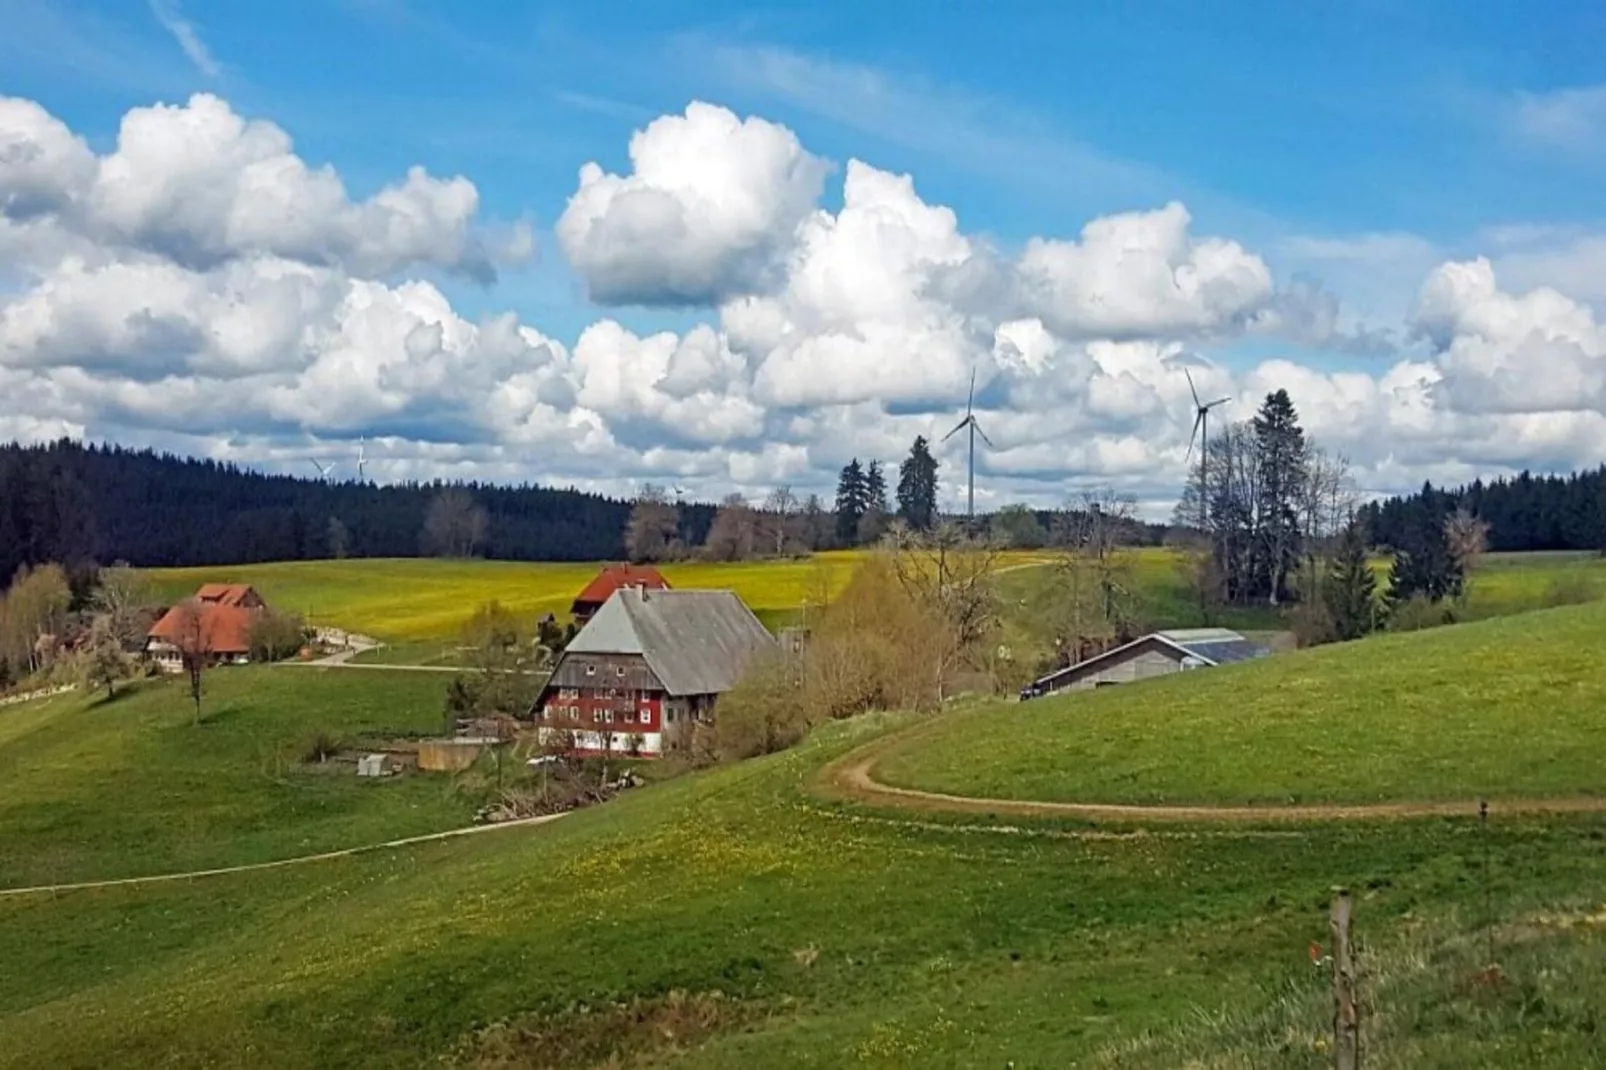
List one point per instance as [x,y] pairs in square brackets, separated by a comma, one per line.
[428,598]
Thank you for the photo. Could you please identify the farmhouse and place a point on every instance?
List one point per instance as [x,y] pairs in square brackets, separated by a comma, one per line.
[611,579]
[1156,654]
[220,626]
[646,667]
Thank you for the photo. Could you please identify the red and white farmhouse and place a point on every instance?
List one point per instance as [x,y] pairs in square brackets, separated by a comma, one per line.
[216,622]
[648,666]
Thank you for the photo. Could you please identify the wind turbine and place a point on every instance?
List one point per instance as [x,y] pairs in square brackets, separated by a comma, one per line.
[975,429]
[1201,433]
[323,469]
[361,460]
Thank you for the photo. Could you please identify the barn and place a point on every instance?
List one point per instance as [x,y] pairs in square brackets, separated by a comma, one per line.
[1156,654]
[648,666]
[611,579]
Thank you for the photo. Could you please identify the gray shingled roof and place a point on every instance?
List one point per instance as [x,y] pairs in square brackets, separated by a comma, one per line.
[696,642]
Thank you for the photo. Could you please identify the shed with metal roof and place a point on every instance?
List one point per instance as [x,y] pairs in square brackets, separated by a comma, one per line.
[1156,654]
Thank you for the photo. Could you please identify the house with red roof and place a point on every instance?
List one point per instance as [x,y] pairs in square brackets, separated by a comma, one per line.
[611,579]
[217,622]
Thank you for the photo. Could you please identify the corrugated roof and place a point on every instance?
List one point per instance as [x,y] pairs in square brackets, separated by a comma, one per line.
[1213,646]
[696,642]
[1218,645]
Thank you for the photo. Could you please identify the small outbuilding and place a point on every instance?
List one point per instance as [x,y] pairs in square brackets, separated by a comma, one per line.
[1155,654]
[613,578]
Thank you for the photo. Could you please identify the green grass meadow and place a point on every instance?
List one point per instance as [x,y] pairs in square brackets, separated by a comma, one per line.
[91,789]
[1508,706]
[743,917]
[811,934]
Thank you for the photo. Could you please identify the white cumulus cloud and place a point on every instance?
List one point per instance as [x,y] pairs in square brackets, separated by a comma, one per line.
[707,210]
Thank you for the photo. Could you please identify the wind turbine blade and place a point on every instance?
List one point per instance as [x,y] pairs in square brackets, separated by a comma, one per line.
[957,428]
[970,402]
[1218,401]
[1193,436]
[983,435]
[1191,390]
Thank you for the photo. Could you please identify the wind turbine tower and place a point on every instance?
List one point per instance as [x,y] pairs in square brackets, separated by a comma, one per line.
[969,423]
[1201,434]
[362,461]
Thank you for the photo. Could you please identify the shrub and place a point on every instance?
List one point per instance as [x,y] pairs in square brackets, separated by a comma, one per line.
[321,746]
[1312,624]
[1571,590]
[275,636]
[1418,612]
[764,713]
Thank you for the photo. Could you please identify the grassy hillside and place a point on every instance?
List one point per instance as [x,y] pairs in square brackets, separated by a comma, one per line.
[91,789]
[799,934]
[1510,706]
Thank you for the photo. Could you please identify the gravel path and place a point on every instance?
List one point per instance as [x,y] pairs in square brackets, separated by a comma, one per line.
[853,776]
[163,878]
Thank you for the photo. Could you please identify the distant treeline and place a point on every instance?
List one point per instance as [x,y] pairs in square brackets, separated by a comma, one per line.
[1525,513]
[73,503]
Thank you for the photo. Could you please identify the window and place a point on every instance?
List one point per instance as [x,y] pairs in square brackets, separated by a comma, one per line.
[613,692]
[591,670]
[619,670]
[669,716]
[607,717]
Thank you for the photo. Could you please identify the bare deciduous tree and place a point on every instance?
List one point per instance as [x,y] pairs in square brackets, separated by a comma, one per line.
[33,614]
[653,531]
[119,594]
[455,525]
[103,662]
[1467,538]
[1088,602]
[734,532]
[779,520]
[192,635]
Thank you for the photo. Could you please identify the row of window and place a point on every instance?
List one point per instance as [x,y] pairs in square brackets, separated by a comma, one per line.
[575,713]
[618,670]
[572,693]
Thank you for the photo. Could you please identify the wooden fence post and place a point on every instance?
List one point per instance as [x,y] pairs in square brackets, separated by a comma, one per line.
[1346,1019]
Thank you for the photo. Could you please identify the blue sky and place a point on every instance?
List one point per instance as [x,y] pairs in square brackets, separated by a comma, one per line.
[1355,146]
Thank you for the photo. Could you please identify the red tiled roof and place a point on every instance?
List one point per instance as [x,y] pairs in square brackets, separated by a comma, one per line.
[224,629]
[613,577]
[227,613]
[228,594]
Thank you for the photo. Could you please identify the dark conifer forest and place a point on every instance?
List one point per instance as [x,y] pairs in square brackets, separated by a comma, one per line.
[74,503]
[1526,513]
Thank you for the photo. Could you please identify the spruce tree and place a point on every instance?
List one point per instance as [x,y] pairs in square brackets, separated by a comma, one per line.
[1423,563]
[850,498]
[1351,589]
[875,488]
[917,487]
[1281,456]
